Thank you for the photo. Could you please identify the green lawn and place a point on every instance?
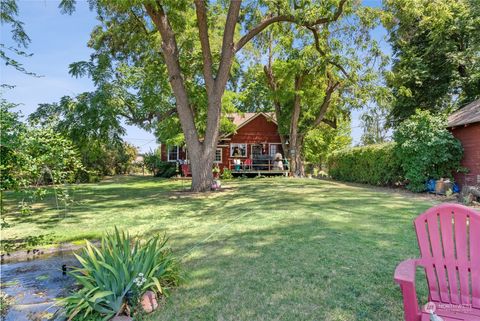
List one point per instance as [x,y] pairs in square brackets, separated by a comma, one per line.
[264,249]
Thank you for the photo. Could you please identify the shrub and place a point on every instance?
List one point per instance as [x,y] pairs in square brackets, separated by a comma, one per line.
[166,169]
[159,168]
[372,164]
[426,149]
[226,174]
[115,275]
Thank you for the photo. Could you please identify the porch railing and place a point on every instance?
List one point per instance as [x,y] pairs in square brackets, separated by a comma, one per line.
[256,165]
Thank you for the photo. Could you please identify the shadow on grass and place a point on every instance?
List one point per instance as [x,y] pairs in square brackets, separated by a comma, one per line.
[312,269]
[270,249]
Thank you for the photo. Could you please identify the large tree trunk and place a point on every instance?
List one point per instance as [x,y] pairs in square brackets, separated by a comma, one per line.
[295,137]
[202,176]
[297,165]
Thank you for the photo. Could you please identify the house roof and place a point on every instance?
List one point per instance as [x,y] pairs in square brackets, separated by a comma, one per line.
[241,120]
[466,115]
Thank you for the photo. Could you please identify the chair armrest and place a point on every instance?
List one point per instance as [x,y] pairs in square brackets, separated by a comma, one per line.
[405,277]
[405,271]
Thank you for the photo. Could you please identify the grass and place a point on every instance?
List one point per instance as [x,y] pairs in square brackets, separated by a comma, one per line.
[264,249]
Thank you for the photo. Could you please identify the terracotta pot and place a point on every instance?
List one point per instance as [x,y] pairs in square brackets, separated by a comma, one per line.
[149,301]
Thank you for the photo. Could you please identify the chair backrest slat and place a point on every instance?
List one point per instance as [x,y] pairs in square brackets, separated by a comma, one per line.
[461,239]
[424,245]
[449,241]
[437,256]
[475,259]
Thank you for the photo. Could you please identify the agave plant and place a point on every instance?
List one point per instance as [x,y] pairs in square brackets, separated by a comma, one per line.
[121,265]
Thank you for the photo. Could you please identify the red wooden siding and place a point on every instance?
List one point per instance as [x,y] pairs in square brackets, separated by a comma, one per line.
[259,130]
[469,136]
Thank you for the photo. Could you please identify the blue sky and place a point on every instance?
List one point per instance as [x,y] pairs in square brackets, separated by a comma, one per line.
[57,41]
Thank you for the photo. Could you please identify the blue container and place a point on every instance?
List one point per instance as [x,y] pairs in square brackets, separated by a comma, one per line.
[431,185]
[455,188]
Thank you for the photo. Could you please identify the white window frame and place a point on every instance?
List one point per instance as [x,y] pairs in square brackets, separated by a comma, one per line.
[270,150]
[233,145]
[168,154]
[221,156]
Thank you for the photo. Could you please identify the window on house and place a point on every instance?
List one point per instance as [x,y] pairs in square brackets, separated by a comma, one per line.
[238,150]
[274,148]
[172,153]
[218,155]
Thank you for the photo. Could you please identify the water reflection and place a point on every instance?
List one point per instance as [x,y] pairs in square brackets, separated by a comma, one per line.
[34,285]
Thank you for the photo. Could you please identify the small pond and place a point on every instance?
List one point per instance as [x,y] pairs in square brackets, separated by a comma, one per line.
[33,285]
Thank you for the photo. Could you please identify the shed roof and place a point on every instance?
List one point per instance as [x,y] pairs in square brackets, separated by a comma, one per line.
[466,115]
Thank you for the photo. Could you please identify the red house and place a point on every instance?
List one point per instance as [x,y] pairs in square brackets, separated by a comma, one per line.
[254,148]
[465,126]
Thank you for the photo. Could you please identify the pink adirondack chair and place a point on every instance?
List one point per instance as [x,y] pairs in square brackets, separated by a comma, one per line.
[449,240]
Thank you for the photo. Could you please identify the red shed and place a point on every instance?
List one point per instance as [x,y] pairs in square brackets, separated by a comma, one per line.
[254,148]
[465,126]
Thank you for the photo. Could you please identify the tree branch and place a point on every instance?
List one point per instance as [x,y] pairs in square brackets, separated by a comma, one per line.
[326,101]
[330,122]
[317,46]
[171,56]
[228,46]
[205,43]
[270,19]
[260,27]
[140,21]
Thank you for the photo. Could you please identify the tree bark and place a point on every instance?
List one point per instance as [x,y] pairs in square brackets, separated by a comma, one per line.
[298,168]
[296,164]
[272,84]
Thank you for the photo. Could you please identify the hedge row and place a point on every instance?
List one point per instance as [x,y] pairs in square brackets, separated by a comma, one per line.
[372,164]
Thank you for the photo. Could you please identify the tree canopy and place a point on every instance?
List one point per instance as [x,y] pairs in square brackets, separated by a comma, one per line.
[436,47]
[164,58]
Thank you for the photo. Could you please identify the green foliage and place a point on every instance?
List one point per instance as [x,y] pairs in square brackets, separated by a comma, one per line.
[372,164]
[5,302]
[34,156]
[436,45]
[11,131]
[31,158]
[323,140]
[153,162]
[48,158]
[91,122]
[426,149]
[9,54]
[226,174]
[114,275]
[374,126]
